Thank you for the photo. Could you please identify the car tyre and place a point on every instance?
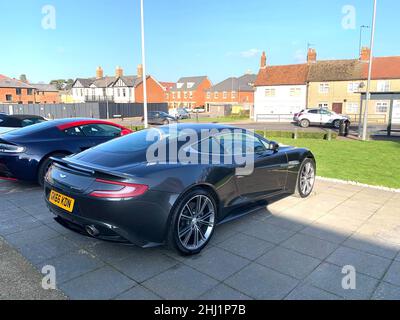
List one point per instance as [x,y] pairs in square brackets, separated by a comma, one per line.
[189,222]
[336,124]
[45,165]
[305,179]
[304,123]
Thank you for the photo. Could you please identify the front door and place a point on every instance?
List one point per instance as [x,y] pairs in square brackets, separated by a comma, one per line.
[269,171]
[337,107]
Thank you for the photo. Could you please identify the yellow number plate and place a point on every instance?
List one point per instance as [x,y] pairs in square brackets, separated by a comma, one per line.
[62,201]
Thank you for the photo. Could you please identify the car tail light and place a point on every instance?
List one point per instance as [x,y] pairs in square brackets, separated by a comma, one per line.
[126,190]
[125,132]
[10,148]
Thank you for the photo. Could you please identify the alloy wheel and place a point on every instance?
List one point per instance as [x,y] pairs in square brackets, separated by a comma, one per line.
[196,222]
[307,179]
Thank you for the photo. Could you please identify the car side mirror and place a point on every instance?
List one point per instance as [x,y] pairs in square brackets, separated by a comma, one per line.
[273,146]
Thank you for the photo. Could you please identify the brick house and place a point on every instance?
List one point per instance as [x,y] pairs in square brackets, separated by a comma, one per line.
[13,91]
[189,92]
[119,88]
[232,92]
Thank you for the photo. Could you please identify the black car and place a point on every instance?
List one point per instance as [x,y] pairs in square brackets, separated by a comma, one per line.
[117,191]
[11,122]
[159,117]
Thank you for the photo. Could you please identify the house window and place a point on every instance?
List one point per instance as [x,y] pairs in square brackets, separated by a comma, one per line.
[323,105]
[29,92]
[352,107]
[216,95]
[173,95]
[233,94]
[295,92]
[104,92]
[270,92]
[124,92]
[208,95]
[185,95]
[119,92]
[191,94]
[8,97]
[19,91]
[381,107]
[383,86]
[81,92]
[324,88]
[225,94]
[179,94]
[167,96]
[353,87]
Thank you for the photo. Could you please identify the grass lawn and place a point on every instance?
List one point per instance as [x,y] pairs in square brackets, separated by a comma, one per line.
[371,162]
[217,119]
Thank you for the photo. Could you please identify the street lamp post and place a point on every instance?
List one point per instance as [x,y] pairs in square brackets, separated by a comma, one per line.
[146,124]
[365,124]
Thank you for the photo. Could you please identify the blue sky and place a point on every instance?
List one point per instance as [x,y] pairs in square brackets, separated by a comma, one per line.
[218,38]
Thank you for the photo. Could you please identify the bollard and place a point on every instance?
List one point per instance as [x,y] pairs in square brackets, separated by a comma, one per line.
[295,135]
[329,136]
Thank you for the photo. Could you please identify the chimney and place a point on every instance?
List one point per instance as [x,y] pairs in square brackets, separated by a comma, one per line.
[311,55]
[365,54]
[99,72]
[119,72]
[140,70]
[263,60]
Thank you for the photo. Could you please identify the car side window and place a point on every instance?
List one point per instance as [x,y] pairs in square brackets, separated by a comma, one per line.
[313,111]
[236,142]
[208,146]
[100,130]
[75,131]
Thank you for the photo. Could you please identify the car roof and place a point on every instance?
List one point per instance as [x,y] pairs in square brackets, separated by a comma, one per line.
[62,124]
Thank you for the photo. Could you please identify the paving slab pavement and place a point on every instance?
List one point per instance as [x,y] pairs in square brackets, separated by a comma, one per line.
[291,249]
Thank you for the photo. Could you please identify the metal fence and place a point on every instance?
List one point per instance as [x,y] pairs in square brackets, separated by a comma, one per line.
[83,110]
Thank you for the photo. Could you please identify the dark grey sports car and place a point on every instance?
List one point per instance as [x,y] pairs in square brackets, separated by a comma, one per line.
[173,184]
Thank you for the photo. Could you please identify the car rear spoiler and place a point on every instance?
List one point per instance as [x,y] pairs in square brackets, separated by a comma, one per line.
[89,170]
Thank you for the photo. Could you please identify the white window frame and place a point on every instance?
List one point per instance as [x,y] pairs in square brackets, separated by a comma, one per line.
[380,104]
[295,92]
[233,94]
[208,95]
[270,92]
[383,86]
[324,87]
[216,95]
[353,87]
[352,107]
[224,95]
[323,105]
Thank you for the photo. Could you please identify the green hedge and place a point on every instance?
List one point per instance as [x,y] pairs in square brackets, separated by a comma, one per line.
[300,134]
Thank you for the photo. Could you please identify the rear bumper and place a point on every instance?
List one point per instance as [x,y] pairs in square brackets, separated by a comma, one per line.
[142,221]
[18,167]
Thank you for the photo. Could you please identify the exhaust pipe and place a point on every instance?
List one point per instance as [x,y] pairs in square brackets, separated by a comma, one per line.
[92,231]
